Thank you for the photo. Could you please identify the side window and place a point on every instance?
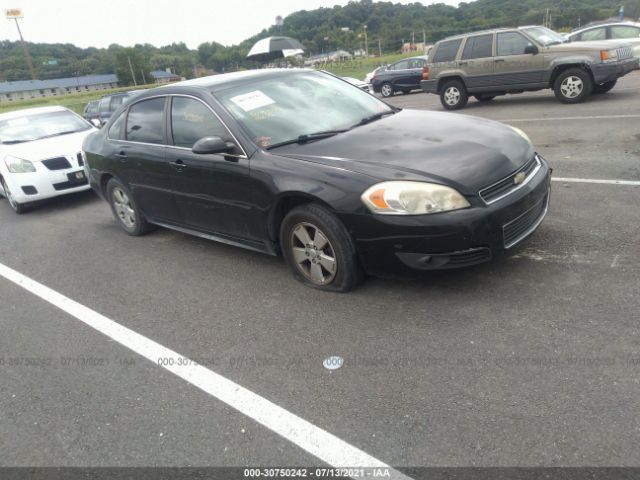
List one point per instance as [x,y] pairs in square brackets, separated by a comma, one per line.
[115,130]
[191,120]
[116,102]
[403,65]
[145,121]
[511,43]
[594,34]
[478,47]
[447,51]
[104,105]
[416,63]
[625,31]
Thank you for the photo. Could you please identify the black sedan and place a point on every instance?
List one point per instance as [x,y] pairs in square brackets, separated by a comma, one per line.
[402,76]
[302,163]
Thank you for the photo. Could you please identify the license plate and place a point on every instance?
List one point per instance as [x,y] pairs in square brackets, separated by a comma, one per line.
[76,176]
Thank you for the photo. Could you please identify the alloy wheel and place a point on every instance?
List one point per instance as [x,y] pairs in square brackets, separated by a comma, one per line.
[452,96]
[386,90]
[123,208]
[571,87]
[313,254]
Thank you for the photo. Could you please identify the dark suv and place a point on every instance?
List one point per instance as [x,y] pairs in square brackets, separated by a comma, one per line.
[109,104]
[402,76]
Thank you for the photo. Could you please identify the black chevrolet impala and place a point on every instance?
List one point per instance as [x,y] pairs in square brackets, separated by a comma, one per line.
[303,163]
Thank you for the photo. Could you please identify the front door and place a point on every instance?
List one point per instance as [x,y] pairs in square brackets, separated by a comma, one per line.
[513,67]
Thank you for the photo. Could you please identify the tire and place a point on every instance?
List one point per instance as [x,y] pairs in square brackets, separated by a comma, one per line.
[484,98]
[327,262]
[604,87]
[18,208]
[386,90]
[406,92]
[453,95]
[573,85]
[125,209]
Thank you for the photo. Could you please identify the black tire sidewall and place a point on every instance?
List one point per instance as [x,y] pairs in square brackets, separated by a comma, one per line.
[348,274]
[587,83]
[604,87]
[141,226]
[464,97]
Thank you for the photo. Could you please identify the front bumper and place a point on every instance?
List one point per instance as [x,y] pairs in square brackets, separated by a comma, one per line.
[607,72]
[43,183]
[404,244]
[429,86]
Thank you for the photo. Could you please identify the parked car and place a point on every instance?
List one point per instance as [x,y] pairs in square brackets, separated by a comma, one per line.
[609,32]
[358,83]
[300,163]
[514,60]
[369,76]
[40,152]
[402,76]
[109,104]
[90,111]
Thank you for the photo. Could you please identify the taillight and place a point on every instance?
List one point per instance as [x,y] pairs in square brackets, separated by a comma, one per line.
[425,73]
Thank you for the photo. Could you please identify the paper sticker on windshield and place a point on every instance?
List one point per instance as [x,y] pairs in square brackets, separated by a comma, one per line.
[252,100]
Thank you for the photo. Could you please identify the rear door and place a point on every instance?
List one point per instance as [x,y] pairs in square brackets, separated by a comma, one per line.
[477,61]
[513,67]
[400,77]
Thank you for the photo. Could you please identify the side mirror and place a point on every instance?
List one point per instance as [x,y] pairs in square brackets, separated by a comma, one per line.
[96,123]
[530,50]
[210,145]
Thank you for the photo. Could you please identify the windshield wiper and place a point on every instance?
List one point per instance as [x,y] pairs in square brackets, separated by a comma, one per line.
[13,142]
[309,137]
[373,118]
[59,134]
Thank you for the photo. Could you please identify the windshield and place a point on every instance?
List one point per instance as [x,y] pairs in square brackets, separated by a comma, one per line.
[39,126]
[284,108]
[545,36]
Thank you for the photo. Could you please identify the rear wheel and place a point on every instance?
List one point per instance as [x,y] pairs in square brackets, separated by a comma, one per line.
[573,85]
[319,250]
[604,87]
[17,207]
[386,90]
[485,98]
[453,95]
[125,209]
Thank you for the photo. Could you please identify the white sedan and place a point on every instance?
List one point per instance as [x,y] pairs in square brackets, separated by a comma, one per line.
[40,154]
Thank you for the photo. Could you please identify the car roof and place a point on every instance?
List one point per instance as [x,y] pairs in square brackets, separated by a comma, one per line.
[32,111]
[487,31]
[603,24]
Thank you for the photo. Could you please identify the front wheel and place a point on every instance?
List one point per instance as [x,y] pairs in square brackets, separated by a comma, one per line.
[4,190]
[386,90]
[453,95]
[125,209]
[573,85]
[604,87]
[319,250]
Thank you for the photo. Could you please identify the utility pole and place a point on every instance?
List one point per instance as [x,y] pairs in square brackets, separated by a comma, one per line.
[413,38]
[15,14]
[424,42]
[379,47]
[144,80]
[132,74]
[366,43]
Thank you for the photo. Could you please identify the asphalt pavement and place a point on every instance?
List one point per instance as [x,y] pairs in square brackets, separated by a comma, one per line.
[531,360]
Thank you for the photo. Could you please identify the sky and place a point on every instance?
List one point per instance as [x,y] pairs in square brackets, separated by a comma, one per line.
[99,23]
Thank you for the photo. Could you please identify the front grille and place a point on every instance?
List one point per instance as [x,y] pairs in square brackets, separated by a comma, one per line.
[69,184]
[80,160]
[624,53]
[58,163]
[508,185]
[516,230]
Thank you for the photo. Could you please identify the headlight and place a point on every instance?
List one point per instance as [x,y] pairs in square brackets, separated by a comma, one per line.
[412,198]
[18,165]
[521,133]
[609,56]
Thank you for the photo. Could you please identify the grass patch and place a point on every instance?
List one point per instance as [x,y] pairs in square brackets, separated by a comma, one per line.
[73,101]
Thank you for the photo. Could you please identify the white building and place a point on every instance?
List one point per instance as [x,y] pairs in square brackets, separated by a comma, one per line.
[27,89]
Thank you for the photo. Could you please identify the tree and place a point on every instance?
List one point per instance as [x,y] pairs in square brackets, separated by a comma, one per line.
[129,59]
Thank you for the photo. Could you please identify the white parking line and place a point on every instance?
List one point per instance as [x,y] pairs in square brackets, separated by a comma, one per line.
[555,119]
[595,180]
[316,441]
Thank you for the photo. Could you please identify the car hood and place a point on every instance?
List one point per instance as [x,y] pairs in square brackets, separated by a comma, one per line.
[591,45]
[65,145]
[466,152]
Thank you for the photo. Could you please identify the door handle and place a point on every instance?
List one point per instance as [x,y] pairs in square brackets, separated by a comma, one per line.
[463,63]
[499,60]
[178,164]
[122,156]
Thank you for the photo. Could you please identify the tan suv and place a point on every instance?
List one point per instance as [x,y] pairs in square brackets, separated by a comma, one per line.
[514,60]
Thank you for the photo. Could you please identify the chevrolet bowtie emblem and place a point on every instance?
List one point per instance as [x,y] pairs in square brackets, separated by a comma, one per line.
[519,178]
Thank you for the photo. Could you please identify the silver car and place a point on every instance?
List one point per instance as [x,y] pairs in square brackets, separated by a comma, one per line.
[611,31]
